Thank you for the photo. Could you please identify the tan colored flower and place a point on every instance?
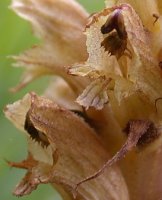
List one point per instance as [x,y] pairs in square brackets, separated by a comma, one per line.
[117,68]
[63,150]
[60,25]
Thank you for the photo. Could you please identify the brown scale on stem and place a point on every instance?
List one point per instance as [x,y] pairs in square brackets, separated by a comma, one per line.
[149,136]
[139,133]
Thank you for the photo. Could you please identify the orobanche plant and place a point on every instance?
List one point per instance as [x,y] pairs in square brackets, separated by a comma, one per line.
[95,133]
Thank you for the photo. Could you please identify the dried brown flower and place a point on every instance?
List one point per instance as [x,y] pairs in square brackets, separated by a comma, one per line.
[114,68]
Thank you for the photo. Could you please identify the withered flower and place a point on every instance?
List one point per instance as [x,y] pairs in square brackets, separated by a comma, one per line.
[107,144]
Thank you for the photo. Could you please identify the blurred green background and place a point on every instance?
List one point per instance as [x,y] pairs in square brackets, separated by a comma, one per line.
[16,36]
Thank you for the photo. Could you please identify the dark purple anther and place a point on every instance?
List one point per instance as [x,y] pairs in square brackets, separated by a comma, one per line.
[115,21]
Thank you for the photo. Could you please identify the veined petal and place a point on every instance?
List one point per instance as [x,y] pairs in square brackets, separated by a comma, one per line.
[95,94]
[60,25]
[76,152]
[81,70]
[45,14]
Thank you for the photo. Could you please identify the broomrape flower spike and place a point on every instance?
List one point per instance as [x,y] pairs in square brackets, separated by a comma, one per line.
[96,131]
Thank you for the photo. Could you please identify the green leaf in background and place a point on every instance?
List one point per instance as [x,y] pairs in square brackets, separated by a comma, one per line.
[16,36]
